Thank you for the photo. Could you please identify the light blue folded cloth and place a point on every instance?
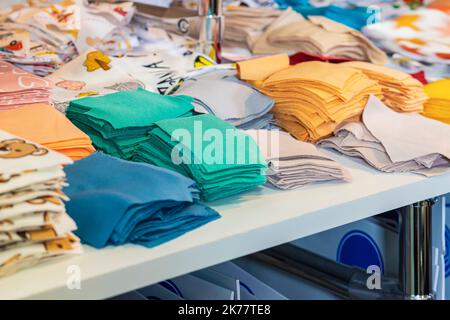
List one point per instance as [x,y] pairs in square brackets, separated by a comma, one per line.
[115,201]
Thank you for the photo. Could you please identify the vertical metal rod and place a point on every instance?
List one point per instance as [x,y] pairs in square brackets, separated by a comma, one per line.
[211,28]
[415,251]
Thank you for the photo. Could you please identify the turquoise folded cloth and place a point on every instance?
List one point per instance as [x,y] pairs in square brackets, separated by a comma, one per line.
[222,159]
[115,201]
[118,122]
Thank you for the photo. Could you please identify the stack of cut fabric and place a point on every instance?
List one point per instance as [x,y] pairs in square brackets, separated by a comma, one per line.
[438,105]
[223,160]
[292,163]
[34,224]
[244,106]
[50,34]
[401,91]
[244,22]
[117,123]
[395,142]
[114,201]
[18,87]
[313,98]
[47,126]
[317,36]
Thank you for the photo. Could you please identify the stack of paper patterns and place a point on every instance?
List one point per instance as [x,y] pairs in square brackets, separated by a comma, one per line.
[313,98]
[318,36]
[401,91]
[47,126]
[117,123]
[222,160]
[34,224]
[161,206]
[244,106]
[19,87]
[412,143]
[292,163]
[438,105]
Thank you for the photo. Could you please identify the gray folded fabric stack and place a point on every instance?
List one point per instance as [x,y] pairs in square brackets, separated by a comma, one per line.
[294,163]
[395,142]
[231,100]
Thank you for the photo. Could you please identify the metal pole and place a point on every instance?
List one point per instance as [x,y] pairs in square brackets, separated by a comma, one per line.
[211,28]
[415,251]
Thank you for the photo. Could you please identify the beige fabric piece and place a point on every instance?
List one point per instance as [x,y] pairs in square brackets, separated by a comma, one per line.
[408,146]
[262,68]
[313,98]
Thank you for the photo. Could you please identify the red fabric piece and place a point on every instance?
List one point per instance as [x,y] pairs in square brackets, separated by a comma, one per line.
[303,57]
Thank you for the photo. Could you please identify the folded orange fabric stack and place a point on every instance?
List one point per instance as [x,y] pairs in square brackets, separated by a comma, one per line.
[20,87]
[311,98]
[45,125]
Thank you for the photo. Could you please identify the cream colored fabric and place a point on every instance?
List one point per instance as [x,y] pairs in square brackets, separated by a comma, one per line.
[401,92]
[33,219]
[438,105]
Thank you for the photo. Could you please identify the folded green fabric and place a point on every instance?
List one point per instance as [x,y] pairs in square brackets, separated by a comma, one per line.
[117,123]
[222,159]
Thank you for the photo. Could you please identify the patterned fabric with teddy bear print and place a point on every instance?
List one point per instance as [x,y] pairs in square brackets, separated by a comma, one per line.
[34,223]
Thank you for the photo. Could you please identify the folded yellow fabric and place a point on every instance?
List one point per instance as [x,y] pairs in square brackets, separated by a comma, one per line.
[261,68]
[438,105]
[313,98]
[401,91]
[58,133]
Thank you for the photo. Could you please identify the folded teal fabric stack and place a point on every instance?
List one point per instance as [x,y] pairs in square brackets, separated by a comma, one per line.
[222,159]
[117,123]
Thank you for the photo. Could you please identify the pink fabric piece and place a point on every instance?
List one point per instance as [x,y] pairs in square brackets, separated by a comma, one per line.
[20,87]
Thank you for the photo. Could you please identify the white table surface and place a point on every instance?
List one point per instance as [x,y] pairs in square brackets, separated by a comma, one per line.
[255,221]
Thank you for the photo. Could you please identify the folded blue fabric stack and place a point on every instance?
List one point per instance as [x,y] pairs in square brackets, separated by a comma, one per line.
[115,201]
